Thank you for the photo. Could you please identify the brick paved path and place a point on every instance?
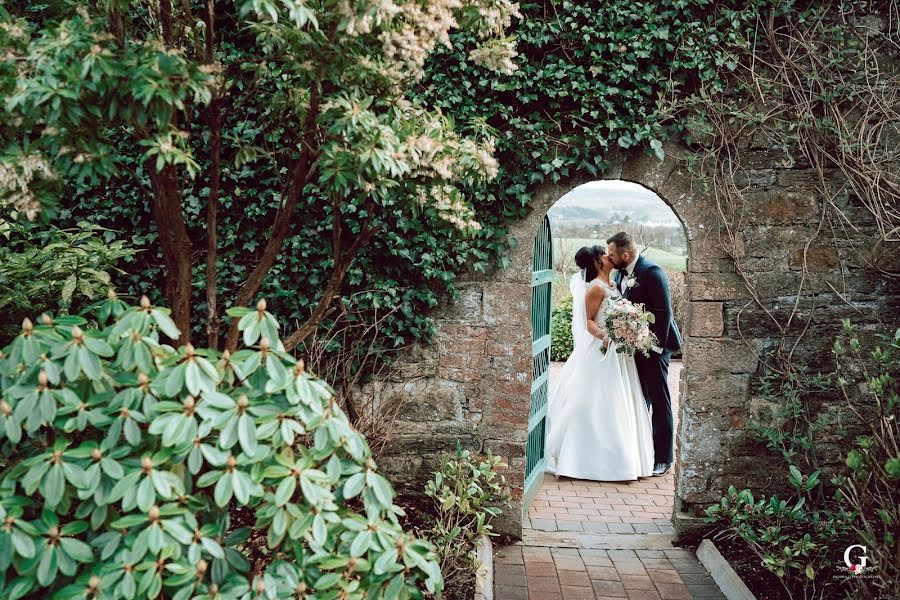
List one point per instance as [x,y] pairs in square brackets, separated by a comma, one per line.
[588,508]
[535,573]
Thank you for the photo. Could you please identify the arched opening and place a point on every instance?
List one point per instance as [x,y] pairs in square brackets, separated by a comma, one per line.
[588,214]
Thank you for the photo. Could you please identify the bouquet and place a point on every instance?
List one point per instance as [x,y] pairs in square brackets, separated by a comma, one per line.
[628,326]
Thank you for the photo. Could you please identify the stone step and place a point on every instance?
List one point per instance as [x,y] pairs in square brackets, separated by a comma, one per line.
[597,541]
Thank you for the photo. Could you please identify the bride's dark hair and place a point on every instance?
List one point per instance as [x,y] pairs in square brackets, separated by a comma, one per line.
[585,258]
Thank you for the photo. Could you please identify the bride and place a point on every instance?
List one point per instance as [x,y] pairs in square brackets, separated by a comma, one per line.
[598,426]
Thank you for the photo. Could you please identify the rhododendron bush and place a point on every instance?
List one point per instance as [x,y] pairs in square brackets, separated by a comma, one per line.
[132,469]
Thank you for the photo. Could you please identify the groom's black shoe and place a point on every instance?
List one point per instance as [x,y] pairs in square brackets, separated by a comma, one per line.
[661,469]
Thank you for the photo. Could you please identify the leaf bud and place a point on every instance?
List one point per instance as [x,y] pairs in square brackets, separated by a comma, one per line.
[261,305]
[243,402]
[145,302]
[96,454]
[5,408]
[264,344]
[93,583]
[260,586]
[53,532]
[147,464]
[143,379]
[188,403]
[189,350]
[154,513]
[226,355]
[202,565]
[77,333]
[230,462]
[27,326]
[42,379]
[46,320]
[299,367]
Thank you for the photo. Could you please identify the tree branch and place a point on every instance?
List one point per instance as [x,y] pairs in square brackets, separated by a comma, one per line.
[214,120]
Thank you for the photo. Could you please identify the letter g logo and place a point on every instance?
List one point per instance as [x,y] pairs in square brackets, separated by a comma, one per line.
[863,559]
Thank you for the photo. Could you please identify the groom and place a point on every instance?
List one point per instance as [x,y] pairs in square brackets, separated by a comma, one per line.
[644,282]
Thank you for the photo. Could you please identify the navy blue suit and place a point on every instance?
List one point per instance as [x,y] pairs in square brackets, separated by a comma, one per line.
[652,290]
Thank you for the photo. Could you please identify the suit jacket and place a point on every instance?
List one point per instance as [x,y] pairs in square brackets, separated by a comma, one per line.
[652,290]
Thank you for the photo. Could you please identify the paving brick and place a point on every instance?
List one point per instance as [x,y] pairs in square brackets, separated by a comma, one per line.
[577,593]
[506,592]
[544,524]
[642,594]
[664,576]
[592,527]
[574,578]
[597,561]
[569,526]
[637,582]
[543,584]
[569,563]
[621,528]
[706,592]
[673,591]
[687,566]
[613,589]
[603,573]
[617,555]
[543,569]
[565,552]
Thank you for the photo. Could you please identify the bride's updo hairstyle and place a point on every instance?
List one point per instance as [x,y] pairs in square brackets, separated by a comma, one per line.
[585,259]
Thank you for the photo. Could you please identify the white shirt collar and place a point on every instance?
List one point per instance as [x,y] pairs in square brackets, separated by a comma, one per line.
[630,268]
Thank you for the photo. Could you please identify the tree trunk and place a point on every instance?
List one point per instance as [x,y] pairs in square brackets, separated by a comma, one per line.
[175,244]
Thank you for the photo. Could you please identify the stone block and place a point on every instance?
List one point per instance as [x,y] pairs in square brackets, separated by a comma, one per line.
[779,206]
[818,257]
[467,306]
[717,390]
[507,304]
[754,177]
[703,355]
[706,319]
[710,265]
[424,401]
[717,287]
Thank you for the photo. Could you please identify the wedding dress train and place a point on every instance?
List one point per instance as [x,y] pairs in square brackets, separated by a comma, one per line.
[598,425]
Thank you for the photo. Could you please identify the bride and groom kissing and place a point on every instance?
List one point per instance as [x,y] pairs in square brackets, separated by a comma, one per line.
[610,416]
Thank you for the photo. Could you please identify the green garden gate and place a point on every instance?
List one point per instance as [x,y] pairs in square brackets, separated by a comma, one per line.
[541,301]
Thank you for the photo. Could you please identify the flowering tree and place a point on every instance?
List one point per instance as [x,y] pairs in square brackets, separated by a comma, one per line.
[86,90]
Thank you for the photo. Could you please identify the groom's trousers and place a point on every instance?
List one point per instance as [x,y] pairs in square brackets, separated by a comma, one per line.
[654,374]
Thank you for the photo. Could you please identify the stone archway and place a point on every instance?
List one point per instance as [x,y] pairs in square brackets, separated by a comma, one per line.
[473,385]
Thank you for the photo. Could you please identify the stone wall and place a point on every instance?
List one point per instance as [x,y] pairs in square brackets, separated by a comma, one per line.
[472,386]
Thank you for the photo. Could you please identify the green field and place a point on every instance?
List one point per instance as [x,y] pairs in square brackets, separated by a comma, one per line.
[660,257]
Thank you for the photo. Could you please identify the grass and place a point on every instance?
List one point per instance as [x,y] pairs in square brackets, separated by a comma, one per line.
[660,257]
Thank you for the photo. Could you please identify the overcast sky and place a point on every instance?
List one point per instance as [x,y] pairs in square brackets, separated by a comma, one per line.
[620,197]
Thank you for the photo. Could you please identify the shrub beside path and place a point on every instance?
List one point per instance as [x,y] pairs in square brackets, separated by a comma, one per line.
[598,540]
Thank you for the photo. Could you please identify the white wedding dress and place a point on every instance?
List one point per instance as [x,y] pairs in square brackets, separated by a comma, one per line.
[598,425]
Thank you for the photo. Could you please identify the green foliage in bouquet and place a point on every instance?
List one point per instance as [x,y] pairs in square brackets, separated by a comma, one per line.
[561,342]
[126,464]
